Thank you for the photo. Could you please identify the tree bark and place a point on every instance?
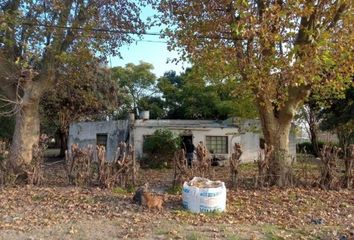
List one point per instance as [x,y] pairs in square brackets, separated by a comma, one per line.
[27,127]
[25,136]
[276,126]
[276,132]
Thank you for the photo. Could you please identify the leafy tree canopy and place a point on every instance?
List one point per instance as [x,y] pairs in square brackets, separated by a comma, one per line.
[85,91]
[138,82]
[279,50]
[38,39]
[192,96]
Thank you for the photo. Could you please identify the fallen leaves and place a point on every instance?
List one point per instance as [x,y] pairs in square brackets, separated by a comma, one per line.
[28,208]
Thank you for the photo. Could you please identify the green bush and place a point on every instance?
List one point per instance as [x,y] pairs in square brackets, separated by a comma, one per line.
[160,148]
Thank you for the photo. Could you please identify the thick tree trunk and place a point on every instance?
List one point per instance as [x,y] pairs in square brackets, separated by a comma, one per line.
[276,126]
[27,122]
[276,132]
[25,136]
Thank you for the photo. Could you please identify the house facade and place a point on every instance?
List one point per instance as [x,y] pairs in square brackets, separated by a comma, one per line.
[218,136]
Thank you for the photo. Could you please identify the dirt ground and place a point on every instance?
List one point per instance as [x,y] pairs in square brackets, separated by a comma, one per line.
[58,211]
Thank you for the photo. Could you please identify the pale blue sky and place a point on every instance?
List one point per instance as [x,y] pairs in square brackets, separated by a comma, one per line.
[154,52]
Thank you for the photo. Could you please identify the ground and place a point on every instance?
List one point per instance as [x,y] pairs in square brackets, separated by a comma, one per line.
[58,211]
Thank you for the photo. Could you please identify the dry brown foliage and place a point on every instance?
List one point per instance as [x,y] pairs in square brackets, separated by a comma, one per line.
[235,162]
[263,162]
[120,172]
[181,170]
[203,165]
[348,178]
[329,160]
[79,165]
[3,156]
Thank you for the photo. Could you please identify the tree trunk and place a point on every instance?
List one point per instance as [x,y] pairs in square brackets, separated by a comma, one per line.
[276,134]
[313,127]
[314,141]
[276,126]
[25,136]
[27,127]
[63,143]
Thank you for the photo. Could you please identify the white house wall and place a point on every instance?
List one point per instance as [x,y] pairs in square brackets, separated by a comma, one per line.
[85,133]
[249,141]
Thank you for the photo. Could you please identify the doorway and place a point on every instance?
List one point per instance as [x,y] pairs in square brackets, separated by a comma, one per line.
[185,139]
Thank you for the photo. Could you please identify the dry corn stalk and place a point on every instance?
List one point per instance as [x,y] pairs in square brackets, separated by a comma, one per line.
[125,165]
[329,158]
[3,156]
[122,171]
[35,169]
[203,166]
[78,163]
[235,161]
[348,179]
[182,171]
[263,162]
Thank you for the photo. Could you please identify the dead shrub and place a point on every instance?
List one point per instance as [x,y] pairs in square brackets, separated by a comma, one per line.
[329,159]
[3,161]
[348,178]
[235,161]
[78,165]
[119,173]
[263,163]
[122,171]
[202,167]
[181,170]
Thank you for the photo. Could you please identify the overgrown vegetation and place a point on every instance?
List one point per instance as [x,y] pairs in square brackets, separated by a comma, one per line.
[160,148]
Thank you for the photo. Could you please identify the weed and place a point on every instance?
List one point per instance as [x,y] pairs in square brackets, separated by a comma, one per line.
[38,198]
[174,190]
[270,232]
[119,191]
[195,236]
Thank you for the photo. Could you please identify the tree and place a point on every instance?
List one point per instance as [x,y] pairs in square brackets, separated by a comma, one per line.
[37,37]
[155,105]
[280,50]
[309,116]
[138,80]
[339,118]
[89,95]
[191,96]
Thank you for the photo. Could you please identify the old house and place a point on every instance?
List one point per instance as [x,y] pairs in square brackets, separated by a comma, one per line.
[218,136]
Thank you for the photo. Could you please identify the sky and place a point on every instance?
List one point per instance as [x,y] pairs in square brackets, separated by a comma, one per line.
[151,49]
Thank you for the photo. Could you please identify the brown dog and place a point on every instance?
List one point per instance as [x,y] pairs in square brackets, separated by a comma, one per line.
[152,201]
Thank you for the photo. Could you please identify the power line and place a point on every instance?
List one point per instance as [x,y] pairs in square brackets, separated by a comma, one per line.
[151,41]
[127,32]
[93,29]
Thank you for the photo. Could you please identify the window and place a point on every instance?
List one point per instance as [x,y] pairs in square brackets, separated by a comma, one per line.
[101,140]
[217,144]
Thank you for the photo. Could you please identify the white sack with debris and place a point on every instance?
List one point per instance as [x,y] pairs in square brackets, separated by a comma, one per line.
[203,195]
